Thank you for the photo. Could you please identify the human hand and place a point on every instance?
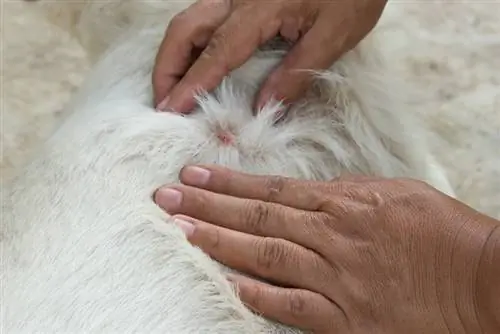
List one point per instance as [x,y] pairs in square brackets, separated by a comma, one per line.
[213,37]
[355,255]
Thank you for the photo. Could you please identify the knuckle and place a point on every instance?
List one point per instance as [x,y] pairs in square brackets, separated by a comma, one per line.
[178,21]
[296,304]
[216,51]
[274,186]
[338,210]
[256,215]
[318,224]
[270,253]
[198,199]
[195,203]
[213,238]
[215,45]
[257,297]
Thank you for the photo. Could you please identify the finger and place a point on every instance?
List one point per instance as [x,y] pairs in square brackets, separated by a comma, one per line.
[290,29]
[279,261]
[229,47]
[355,178]
[299,194]
[248,216]
[315,51]
[186,32]
[295,307]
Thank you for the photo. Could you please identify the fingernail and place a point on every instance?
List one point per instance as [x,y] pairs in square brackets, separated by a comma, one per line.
[162,106]
[169,199]
[195,176]
[185,226]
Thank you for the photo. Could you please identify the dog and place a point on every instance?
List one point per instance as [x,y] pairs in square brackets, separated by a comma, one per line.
[85,248]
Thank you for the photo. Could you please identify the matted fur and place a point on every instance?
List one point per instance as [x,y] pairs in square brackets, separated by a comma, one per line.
[85,249]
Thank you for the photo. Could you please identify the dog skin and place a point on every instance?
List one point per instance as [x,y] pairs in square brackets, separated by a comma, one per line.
[85,249]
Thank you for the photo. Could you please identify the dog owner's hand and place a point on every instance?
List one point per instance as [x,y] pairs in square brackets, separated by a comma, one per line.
[228,32]
[355,255]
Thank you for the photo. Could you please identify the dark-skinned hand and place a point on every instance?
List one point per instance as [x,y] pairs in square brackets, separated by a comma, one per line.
[354,255]
[211,38]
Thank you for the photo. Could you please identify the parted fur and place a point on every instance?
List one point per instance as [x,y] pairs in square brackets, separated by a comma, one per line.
[85,249]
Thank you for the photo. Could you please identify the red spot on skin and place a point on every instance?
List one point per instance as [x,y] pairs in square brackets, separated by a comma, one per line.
[225,137]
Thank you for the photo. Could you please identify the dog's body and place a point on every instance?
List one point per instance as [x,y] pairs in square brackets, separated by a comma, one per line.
[85,249]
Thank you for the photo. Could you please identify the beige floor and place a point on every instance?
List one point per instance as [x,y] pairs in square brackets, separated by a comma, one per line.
[449,50]
[40,66]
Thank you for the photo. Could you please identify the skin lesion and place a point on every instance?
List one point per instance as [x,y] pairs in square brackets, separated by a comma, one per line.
[225,137]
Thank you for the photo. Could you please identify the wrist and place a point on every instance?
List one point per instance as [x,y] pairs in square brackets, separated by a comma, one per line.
[470,272]
[488,285]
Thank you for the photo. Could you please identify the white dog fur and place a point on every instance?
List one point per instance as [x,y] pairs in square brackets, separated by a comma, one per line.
[85,249]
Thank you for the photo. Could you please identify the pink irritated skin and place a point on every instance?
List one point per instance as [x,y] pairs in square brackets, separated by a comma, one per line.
[225,137]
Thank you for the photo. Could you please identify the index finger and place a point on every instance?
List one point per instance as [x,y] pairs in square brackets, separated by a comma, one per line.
[186,31]
[230,46]
[298,194]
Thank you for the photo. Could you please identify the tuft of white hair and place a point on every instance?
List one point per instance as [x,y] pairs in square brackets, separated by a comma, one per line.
[85,249]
